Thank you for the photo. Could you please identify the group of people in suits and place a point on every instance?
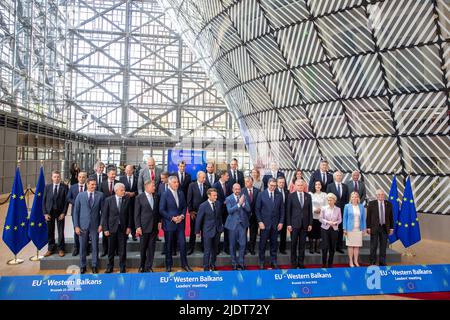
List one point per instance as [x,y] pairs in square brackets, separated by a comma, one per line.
[226,202]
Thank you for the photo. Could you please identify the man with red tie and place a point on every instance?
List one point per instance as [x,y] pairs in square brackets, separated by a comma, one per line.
[107,189]
[150,172]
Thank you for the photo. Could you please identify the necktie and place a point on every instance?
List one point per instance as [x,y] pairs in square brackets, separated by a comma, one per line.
[201,189]
[211,179]
[234,174]
[224,190]
[182,178]
[356,186]
[151,202]
[110,187]
[165,187]
[237,199]
[129,181]
[271,196]
[119,203]
[339,190]
[381,212]
[152,175]
[91,200]
[324,178]
[214,206]
[175,195]
[301,199]
[55,192]
[81,188]
[250,192]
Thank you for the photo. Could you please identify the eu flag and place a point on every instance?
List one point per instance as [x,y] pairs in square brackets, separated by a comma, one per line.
[37,231]
[408,225]
[394,200]
[15,232]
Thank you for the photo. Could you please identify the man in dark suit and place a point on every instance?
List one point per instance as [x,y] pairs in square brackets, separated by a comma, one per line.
[340,190]
[380,225]
[283,191]
[164,183]
[116,221]
[149,172]
[251,193]
[195,197]
[172,209]
[223,191]
[274,173]
[237,223]
[131,191]
[299,219]
[236,176]
[86,217]
[184,178]
[72,194]
[211,176]
[107,188]
[99,176]
[321,175]
[270,215]
[146,217]
[55,209]
[358,186]
[209,222]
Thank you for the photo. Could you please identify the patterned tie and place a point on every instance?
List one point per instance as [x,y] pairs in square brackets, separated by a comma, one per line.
[81,188]
[91,200]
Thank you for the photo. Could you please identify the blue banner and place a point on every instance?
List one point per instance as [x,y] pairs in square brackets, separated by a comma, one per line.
[195,161]
[230,285]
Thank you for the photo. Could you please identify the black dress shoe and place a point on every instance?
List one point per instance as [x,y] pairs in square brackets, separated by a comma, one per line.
[324,266]
[261,266]
[109,270]
[123,270]
[241,267]
[206,269]
[141,270]
[158,239]
[234,268]
[135,239]
[212,268]
[274,266]
[168,269]
[227,251]
[191,251]
[283,251]
[187,268]
[174,253]
[75,252]
[83,270]
[252,252]
[104,254]
[149,270]
[300,266]
[94,270]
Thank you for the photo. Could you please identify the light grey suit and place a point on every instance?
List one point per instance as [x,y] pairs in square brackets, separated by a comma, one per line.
[361,190]
[88,220]
[144,175]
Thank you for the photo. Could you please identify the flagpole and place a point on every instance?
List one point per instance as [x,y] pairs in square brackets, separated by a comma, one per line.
[408,252]
[37,257]
[16,260]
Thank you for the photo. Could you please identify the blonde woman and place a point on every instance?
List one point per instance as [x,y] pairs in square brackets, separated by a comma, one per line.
[257,182]
[330,217]
[354,226]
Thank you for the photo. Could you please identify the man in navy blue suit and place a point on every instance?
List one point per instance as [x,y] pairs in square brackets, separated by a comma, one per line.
[195,197]
[270,215]
[321,175]
[236,176]
[74,190]
[172,209]
[164,183]
[273,173]
[131,191]
[252,194]
[237,223]
[223,191]
[209,222]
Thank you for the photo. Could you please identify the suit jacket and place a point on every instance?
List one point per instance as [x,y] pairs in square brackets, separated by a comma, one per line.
[240,177]
[221,197]
[85,217]
[144,175]
[317,176]
[336,216]
[194,198]
[208,221]
[94,176]
[105,188]
[268,175]
[361,190]
[162,189]
[269,212]
[145,217]
[73,192]
[185,185]
[296,215]
[216,178]
[373,216]
[61,199]
[112,217]
[348,217]
[128,188]
[168,209]
[252,202]
[341,200]
[237,214]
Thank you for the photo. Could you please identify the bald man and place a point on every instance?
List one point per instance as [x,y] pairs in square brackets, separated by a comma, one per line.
[149,172]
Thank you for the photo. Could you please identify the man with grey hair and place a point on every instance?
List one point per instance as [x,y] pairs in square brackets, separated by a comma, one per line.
[131,190]
[274,173]
[99,175]
[116,222]
[355,185]
[195,197]
[150,172]
[340,190]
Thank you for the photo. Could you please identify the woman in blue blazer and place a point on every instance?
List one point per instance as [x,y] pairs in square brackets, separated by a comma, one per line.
[354,226]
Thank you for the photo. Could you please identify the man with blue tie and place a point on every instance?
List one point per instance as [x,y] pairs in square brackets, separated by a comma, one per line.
[163,185]
[236,176]
[252,194]
[173,209]
[237,223]
[270,216]
[86,221]
[209,222]
[74,190]
[195,197]
[321,175]
[274,173]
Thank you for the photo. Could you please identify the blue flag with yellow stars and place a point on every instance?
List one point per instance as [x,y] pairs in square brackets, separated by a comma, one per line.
[394,200]
[15,232]
[37,231]
[408,225]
